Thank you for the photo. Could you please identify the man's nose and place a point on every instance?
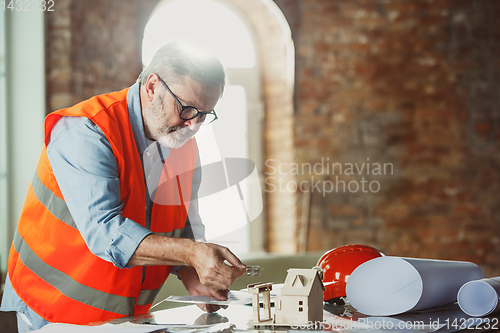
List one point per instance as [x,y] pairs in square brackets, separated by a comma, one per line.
[193,124]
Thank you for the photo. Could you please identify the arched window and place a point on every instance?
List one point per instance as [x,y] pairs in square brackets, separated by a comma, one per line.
[207,23]
[221,30]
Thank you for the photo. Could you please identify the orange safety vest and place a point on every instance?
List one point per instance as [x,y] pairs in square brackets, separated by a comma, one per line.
[50,266]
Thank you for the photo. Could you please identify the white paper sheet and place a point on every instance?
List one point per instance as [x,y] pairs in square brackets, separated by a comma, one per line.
[392,285]
[480,298]
[128,327]
[238,297]
[106,328]
[233,297]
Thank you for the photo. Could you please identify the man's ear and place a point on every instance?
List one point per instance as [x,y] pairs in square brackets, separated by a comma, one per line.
[150,85]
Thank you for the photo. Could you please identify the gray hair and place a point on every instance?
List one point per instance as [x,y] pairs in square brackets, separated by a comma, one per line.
[175,60]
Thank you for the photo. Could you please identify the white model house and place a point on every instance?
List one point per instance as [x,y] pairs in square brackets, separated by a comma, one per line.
[301,299]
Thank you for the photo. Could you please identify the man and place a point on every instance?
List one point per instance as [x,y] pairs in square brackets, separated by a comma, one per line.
[102,224]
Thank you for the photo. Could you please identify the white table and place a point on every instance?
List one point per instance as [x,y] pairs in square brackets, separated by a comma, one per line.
[337,319]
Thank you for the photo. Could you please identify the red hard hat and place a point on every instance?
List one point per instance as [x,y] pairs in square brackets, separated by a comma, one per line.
[339,263]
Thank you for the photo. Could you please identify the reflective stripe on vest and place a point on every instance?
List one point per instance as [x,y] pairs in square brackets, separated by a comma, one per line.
[177,233]
[52,202]
[147,296]
[69,287]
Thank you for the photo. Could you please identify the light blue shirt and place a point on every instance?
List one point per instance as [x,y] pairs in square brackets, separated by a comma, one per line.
[87,174]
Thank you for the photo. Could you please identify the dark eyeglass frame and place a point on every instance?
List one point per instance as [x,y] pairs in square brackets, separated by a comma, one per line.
[184,107]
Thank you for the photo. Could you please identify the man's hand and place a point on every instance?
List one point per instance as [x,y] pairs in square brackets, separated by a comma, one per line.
[216,266]
[210,270]
[193,285]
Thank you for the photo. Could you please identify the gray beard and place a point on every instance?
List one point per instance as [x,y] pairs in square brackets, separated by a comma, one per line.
[172,136]
[176,137]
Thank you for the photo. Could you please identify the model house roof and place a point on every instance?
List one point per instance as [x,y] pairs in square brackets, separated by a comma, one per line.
[300,282]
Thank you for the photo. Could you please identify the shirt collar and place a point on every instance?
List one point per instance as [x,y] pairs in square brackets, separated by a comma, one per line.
[135,115]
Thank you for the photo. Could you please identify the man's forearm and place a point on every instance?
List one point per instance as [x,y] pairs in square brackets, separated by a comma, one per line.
[216,266]
[160,250]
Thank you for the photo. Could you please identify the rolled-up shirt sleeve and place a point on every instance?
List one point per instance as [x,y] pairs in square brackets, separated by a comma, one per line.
[87,174]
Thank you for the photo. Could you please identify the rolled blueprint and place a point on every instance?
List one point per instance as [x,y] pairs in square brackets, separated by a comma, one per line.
[480,298]
[392,285]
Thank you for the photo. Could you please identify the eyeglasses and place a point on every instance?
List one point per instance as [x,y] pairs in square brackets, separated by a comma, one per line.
[190,112]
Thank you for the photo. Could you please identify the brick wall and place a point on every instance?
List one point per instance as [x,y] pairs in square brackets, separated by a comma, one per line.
[414,85]
[93,47]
